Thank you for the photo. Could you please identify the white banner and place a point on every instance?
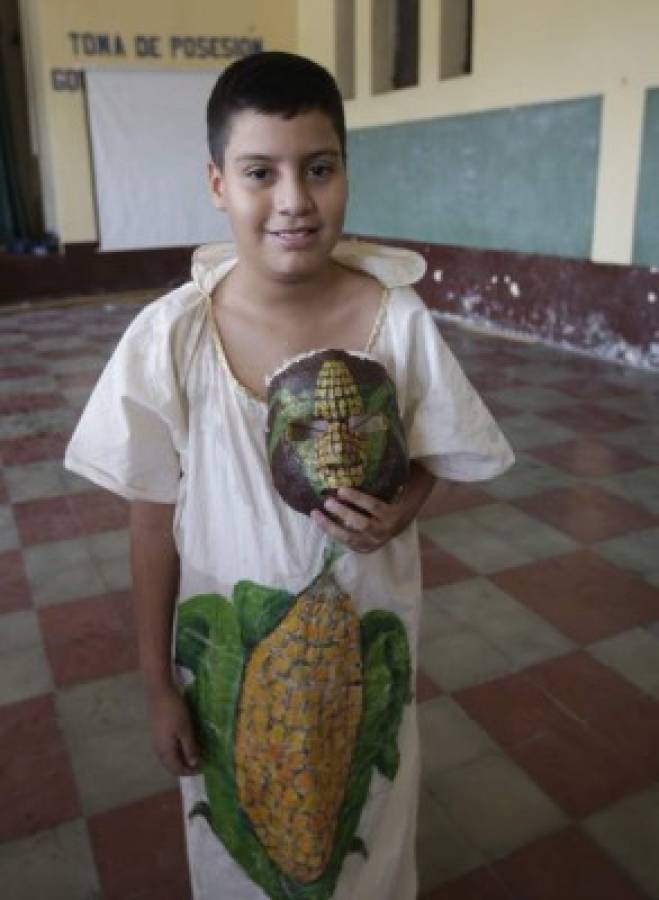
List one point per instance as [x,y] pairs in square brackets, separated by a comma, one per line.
[148,134]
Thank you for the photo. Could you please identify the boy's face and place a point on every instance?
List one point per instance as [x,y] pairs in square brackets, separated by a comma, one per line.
[284,187]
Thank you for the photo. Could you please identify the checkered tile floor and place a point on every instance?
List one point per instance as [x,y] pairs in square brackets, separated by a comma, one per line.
[539,681]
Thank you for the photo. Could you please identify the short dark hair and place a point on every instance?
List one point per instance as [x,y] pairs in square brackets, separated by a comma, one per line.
[274,83]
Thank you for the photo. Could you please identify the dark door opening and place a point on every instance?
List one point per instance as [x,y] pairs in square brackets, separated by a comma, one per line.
[21,216]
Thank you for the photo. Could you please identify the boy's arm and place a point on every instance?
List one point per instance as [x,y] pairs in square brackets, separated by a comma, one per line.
[155,571]
[366,524]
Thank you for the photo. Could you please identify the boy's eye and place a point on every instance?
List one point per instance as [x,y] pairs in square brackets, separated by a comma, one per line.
[258,173]
[320,170]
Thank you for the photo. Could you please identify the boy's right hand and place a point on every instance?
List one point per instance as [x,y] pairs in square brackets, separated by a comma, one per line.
[173,736]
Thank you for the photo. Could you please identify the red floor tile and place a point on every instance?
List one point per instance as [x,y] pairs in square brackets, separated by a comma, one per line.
[426,689]
[512,709]
[448,498]
[586,366]
[77,379]
[499,409]
[99,510]
[587,417]
[565,866]
[587,457]
[25,403]
[21,371]
[479,885]
[38,789]
[579,768]
[91,638]
[493,380]
[67,353]
[139,850]
[48,519]
[15,593]
[613,707]
[499,359]
[439,567]
[590,388]
[584,596]
[59,518]
[587,513]
[39,331]
[36,448]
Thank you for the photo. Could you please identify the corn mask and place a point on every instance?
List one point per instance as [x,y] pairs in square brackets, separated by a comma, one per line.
[333,422]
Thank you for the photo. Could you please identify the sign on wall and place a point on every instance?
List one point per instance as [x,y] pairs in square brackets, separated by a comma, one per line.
[89,45]
[176,46]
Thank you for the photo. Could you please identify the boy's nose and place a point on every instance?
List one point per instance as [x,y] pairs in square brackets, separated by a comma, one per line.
[293,197]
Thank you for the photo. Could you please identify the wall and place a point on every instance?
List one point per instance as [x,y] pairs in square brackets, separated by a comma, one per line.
[59,131]
[525,54]
[646,234]
[514,179]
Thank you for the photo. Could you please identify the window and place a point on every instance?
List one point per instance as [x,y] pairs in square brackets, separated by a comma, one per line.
[395,30]
[344,42]
[456,25]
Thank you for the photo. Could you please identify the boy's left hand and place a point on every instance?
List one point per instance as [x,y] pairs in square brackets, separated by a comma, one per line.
[363,523]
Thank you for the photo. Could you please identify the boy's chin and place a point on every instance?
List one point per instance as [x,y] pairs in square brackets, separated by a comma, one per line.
[297,267]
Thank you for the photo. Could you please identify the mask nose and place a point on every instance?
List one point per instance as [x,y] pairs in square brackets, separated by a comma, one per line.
[339,447]
[339,459]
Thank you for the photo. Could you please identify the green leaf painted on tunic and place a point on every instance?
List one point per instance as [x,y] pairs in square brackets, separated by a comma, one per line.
[260,609]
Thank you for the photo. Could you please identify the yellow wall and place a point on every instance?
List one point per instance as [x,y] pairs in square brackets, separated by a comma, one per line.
[58,123]
[524,53]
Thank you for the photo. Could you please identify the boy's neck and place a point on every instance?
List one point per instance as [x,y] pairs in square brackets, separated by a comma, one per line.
[249,286]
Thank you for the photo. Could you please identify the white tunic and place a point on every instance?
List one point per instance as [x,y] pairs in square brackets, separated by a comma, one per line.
[168,422]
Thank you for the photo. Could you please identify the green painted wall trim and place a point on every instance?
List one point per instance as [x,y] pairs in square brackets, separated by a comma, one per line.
[518,179]
[646,230]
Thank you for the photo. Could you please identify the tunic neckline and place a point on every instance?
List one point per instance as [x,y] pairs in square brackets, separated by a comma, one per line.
[248,392]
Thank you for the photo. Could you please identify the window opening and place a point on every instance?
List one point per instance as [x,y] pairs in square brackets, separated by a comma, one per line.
[344,42]
[456,35]
[395,30]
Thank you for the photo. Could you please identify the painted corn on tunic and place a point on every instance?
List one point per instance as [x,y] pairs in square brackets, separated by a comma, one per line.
[297,666]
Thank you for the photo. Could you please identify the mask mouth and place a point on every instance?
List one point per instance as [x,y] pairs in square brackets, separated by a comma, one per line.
[342,476]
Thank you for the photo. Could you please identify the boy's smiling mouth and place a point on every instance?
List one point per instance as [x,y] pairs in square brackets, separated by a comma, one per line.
[301,230]
[295,238]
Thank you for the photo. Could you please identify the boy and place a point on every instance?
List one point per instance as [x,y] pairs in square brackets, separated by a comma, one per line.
[177,423]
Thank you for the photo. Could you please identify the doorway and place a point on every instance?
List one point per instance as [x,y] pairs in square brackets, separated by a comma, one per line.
[21,217]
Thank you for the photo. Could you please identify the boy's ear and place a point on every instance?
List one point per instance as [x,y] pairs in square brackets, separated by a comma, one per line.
[216,184]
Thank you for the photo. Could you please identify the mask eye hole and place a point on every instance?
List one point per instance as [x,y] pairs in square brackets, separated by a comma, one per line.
[367,424]
[304,430]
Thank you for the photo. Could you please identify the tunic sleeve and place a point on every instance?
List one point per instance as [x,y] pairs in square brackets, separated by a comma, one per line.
[449,428]
[126,439]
